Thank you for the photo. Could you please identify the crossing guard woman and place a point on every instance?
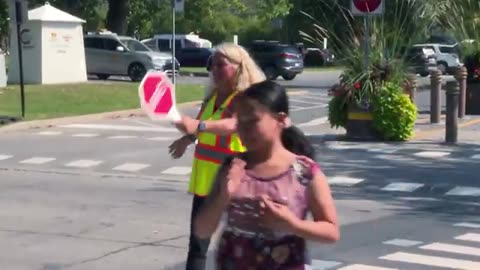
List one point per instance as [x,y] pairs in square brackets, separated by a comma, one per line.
[233,71]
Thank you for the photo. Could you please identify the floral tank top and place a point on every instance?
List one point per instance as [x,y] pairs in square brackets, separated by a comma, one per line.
[245,243]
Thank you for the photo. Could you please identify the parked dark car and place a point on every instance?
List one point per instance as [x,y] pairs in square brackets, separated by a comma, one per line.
[316,57]
[277,59]
[193,57]
[421,60]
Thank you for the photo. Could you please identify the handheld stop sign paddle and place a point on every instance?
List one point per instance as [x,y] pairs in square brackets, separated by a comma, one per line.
[157,97]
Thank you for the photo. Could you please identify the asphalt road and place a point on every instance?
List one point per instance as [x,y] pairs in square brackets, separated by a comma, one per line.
[105,195]
[397,204]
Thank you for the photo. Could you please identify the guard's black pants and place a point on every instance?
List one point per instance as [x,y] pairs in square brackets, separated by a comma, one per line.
[197,248]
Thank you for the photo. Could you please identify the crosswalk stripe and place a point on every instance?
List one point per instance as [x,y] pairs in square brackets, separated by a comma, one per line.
[178,170]
[325,98]
[302,101]
[364,267]
[431,154]
[324,265]
[121,137]
[458,249]
[5,157]
[403,187]
[335,146]
[464,191]
[49,133]
[432,261]
[37,160]
[467,225]
[314,122]
[472,237]
[131,167]
[381,150]
[344,181]
[85,135]
[402,243]
[84,163]
[309,108]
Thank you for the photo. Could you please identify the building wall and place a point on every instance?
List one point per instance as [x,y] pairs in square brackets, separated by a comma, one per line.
[63,53]
[32,48]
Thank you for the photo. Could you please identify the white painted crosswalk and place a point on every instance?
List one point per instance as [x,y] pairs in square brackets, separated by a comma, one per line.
[84,163]
[402,187]
[5,157]
[413,254]
[131,166]
[37,160]
[467,225]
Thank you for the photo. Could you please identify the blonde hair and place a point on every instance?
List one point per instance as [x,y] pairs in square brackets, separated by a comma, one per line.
[248,72]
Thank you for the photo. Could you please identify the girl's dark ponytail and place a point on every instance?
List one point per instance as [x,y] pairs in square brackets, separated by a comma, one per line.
[296,142]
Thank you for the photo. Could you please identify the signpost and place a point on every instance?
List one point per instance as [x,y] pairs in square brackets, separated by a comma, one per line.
[367,8]
[177,6]
[20,8]
[157,97]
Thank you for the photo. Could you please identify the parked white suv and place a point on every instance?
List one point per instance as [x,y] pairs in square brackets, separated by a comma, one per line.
[108,54]
[447,56]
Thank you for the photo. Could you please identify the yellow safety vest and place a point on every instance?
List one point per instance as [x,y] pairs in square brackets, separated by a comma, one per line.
[211,150]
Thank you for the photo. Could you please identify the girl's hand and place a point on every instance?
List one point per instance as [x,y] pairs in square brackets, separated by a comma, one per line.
[178,147]
[187,125]
[277,216]
[234,177]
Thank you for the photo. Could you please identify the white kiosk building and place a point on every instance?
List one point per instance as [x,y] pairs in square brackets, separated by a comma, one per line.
[53,49]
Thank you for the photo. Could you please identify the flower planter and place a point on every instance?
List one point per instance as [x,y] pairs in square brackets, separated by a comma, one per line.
[472,105]
[360,124]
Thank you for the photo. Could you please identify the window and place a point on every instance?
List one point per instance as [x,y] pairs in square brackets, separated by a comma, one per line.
[178,44]
[447,49]
[151,44]
[93,43]
[164,45]
[135,46]
[110,44]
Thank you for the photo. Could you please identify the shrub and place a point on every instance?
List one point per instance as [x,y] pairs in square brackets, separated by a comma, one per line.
[394,114]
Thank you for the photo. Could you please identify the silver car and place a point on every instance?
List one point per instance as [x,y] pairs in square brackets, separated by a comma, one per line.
[109,54]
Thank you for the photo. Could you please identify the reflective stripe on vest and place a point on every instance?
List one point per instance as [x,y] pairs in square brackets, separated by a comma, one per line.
[211,153]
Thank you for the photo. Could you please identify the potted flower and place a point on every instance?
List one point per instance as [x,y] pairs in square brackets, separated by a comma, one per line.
[371,100]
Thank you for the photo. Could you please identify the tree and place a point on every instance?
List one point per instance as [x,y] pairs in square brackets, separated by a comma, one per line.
[118,11]
[92,11]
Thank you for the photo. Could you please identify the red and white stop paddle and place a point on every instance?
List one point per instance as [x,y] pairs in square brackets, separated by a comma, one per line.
[157,97]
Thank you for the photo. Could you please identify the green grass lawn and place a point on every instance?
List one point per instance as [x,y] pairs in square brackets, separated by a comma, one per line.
[194,69]
[51,101]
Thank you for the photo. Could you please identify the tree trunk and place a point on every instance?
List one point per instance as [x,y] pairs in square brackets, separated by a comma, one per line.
[117,16]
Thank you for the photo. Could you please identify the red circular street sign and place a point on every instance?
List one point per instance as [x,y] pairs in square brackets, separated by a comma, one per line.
[367,5]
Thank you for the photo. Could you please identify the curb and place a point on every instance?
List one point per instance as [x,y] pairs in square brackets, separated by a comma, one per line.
[47,123]
[35,124]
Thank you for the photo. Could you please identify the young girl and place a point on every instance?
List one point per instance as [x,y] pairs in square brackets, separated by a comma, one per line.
[268,191]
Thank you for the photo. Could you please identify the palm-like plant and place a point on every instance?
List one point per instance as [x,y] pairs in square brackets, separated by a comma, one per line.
[462,18]
[373,87]
[404,23]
